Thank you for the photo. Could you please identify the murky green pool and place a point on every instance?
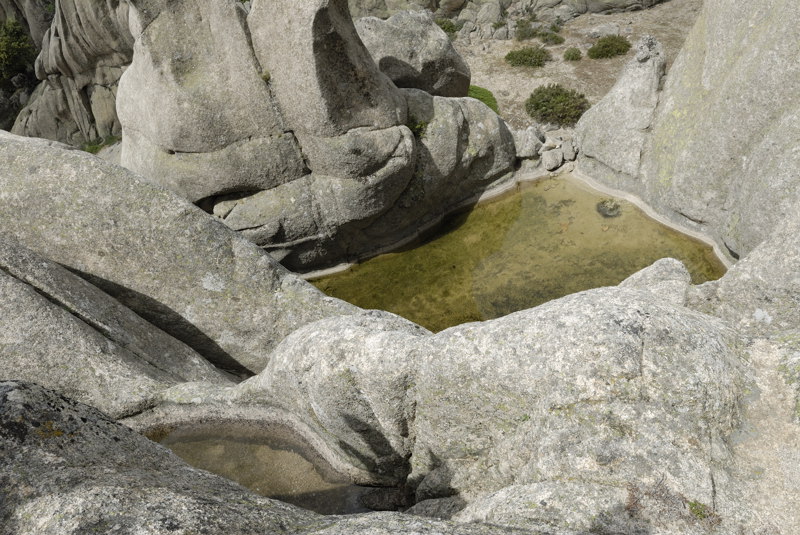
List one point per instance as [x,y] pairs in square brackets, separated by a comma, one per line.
[545,241]
[273,463]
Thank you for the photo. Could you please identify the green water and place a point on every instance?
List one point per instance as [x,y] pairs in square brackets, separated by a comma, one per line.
[545,241]
[273,463]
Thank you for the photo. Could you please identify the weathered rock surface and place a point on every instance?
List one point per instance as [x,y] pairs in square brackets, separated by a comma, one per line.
[197,115]
[75,102]
[159,255]
[322,75]
[615,130]
[510,407]
[414,52]
[482,11]
[68,469]
[66,334]
[528,142]
[720,155]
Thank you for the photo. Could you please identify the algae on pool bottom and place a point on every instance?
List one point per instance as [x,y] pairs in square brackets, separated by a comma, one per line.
[274,463]
[545,241]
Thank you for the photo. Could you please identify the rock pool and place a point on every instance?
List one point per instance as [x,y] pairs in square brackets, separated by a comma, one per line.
[550,238]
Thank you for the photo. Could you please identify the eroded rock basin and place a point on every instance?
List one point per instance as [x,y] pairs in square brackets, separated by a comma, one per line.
[271,462]
[548,239]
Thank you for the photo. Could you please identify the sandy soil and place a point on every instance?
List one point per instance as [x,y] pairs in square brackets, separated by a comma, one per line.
[669,22]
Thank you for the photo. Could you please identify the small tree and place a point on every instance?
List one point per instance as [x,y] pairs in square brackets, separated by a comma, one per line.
[17,52]
[556,104]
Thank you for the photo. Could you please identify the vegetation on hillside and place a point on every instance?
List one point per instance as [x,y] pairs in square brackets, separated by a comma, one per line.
[609,46]
[556,105]
[531,56]
[484,95]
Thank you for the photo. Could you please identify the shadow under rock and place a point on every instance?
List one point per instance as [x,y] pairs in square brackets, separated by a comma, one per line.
[170,322]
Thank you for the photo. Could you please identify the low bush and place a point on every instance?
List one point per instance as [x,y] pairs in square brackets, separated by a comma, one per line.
[485,96]
[556,105]
[531,56]
[572,54]
[609,46]
[525,30]
[550,38]
[93,147]
[17,52]
[450,27]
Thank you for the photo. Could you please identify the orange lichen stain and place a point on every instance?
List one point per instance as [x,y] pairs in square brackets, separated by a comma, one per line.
[47,430]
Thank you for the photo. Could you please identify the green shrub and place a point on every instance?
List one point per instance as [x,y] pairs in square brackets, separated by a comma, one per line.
[449,27]
[499,24]
[93,147]
[556,104]
[555,28]
[550,38]
[572,54]
[529,57]
[17,53]
[418,128]
[484,95]
[609,46]
[524,30]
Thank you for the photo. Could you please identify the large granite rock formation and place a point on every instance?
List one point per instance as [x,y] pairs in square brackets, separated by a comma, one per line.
[721,153]
[156,253]
[309,158]
[75,102]
[69,469]
[85,343]
[414,52]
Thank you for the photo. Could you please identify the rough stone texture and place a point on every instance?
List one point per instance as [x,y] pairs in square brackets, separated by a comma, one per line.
[552,159]
[667,279]
[68,469]
[357,360]
[464,144]
[729,99]
[491,10]
[581,398]
[195,109]
[159,255]
[322,75]
[615,130]
[413,51]
[103,314]
[621,408]
[528,142]
[75,101]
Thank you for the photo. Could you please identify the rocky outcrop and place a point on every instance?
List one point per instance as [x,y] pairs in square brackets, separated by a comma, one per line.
[615,130]
[208,287]
[720,153]
[85,343]
[414,52]
[198,116]
[75,102]
[69,469]
[485,12]
[305,157]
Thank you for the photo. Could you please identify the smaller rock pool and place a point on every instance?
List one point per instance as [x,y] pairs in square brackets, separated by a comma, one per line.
[272,462]
[551,238]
